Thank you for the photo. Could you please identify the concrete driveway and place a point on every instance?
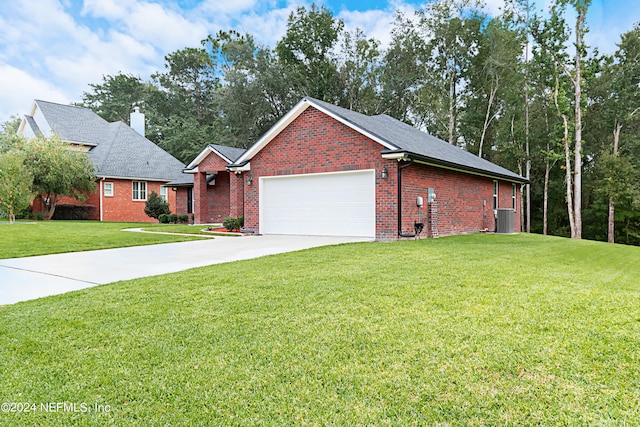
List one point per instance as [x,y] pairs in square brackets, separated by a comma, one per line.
[28,278]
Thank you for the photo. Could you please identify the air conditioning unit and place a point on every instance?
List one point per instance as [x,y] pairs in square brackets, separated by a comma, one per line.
[504,221]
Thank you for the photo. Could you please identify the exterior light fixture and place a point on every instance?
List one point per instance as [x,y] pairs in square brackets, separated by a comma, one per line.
[384,174]
[249,180]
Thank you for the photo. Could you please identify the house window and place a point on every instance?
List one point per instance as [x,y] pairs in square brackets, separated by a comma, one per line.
[163,193]
[190,200]
[139,190]
[495,194]
[513,195]
[108,189]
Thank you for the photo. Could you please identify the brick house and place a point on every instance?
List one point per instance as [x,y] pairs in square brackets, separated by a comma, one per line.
[326,170]
[218,192]
[128,165]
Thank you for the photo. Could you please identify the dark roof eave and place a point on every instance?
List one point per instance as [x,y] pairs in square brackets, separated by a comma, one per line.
[232,167]
[456,166]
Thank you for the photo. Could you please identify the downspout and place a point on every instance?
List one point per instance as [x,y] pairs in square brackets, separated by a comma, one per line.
[101,193]
[400,168]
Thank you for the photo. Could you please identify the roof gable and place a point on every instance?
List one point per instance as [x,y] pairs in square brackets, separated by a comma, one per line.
[395,136]
[228,154]
[340,114]
[117,151]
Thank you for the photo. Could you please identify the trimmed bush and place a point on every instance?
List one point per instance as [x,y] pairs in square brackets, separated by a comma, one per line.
[173,218]
[163,219]
[183,218]
[73,212]
[233,224]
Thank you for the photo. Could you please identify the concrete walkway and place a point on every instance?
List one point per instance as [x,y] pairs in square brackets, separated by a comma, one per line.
[28,278]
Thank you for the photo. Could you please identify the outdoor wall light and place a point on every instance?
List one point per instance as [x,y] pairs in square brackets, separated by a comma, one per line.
[249,180]
[384,174]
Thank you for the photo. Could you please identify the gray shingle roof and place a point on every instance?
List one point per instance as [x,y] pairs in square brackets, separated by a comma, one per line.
[405,138]
[231,153]
[117,150]
[34,126]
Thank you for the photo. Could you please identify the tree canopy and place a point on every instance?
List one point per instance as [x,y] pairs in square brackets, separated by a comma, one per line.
[520,89]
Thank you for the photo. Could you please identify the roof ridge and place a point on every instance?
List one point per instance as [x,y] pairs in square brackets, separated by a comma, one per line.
[65,105]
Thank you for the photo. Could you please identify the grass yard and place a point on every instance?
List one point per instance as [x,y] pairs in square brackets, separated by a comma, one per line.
[468,330]
[52,237]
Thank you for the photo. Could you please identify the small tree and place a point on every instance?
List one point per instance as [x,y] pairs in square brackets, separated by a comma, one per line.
[156,206]
[58,170]
[16,183]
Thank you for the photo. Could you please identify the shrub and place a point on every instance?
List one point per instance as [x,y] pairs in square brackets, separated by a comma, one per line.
[233,224]
[73,212]
[173,218]
[155,206]
[163,218]
[183,218]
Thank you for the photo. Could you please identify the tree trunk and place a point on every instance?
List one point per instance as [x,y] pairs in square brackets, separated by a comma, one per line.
[611,228]
[570,187]
[521,211]
[526,131]
[577,163]
[545,197]
[50,208]
[452,100]
[487,118]
[567,160]
[545,192]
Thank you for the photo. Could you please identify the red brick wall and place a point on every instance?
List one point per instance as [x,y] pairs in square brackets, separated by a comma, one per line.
[218,205]
[464,201]
[212,203]
[236,195]
[316,143]
[180,198]
[122,207]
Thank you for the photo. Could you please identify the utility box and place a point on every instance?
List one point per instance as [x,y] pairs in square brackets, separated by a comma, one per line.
[504,221]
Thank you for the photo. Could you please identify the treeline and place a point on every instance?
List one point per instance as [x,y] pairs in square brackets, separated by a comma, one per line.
[519,89]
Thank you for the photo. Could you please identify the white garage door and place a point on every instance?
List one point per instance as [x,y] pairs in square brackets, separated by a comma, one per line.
[325,204]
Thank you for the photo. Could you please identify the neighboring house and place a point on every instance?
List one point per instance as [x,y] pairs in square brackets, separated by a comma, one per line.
[128,165]
[325,170]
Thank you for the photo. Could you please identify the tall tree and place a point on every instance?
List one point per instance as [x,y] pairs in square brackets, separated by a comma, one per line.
[616,101]
[186,102]
[115,97]
[256,92]
[307,47]
[402,71]
[360,71]
[495,81]
[451,29]
[556,28]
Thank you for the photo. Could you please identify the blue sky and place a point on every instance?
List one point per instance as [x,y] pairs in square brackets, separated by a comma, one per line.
[53,49]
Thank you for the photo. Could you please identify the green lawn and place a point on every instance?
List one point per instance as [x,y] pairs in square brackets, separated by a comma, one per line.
[51,237]
[470,330]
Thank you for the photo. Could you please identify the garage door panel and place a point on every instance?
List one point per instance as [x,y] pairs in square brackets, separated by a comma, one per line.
[319,204]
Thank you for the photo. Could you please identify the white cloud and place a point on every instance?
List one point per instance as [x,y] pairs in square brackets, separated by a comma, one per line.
[108,9]
[228,7]
[375,24]
[19,89]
